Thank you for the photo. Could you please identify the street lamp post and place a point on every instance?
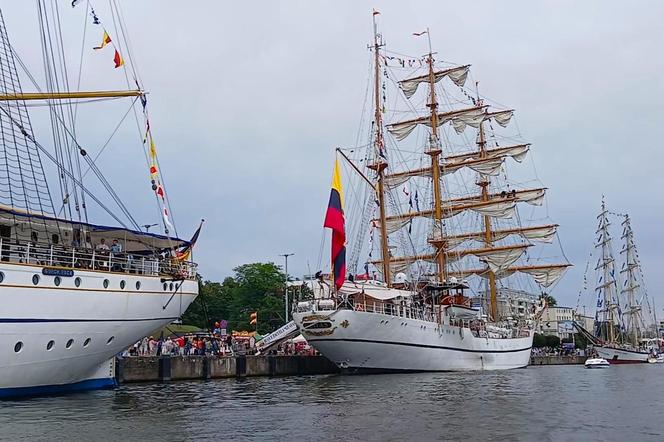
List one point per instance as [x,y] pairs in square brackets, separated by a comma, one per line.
[286,255]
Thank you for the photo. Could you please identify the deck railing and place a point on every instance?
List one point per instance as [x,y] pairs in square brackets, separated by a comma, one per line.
[91,259]
[477,327]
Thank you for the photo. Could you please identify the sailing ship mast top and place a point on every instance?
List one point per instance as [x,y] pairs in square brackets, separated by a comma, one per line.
[433,151]
[380,158]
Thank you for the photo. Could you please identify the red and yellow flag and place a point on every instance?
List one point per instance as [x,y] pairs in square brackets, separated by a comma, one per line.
[334,219]
[106,39]
[118,59]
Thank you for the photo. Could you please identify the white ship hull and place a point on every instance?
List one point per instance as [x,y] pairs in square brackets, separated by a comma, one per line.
[361,341]
[622,356]
[112,319]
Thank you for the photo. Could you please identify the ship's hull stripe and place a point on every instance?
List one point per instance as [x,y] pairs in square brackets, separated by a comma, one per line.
[32,320]
[89,384]
[406,344]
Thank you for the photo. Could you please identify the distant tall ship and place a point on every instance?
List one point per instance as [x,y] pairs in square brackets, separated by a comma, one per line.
[625,324]
[446,221]
[74,293]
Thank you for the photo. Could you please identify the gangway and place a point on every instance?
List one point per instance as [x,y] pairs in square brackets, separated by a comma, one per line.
[288,331]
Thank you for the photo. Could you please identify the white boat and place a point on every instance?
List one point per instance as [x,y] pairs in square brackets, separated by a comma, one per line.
[596,363]
[68,307]
[443,219]
[389,334]
[625,355]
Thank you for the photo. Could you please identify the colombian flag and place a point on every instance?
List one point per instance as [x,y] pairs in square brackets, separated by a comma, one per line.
[334,219]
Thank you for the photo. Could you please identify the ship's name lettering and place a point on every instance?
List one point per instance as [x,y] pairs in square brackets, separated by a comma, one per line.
[57,272]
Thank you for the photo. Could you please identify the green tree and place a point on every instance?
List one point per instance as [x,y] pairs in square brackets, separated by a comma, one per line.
[539,341]
[551,341]
[257,287]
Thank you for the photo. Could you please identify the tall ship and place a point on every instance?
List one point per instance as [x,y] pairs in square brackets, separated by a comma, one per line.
[436,230]
[625,329]
[76,290]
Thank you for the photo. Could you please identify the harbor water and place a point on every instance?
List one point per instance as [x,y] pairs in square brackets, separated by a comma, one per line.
[538,403]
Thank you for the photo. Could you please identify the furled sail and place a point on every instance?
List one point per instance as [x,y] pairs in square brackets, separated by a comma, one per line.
[544,234]
[501,117]
[495,208]
[459,119]
[545,275]
[498,258]
[517,152]
[458,76]
[484,166]
[488,165]
[499,205]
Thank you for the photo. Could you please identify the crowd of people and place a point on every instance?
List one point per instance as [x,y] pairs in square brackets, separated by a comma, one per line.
[186,345]
[208,344]
[557,351]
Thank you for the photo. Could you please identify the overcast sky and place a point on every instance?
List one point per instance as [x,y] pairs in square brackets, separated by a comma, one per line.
[248,100]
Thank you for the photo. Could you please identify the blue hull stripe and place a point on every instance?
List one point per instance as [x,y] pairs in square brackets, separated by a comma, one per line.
[41,390]
[21,320]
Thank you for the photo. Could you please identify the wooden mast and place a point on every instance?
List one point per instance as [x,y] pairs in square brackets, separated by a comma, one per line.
[380,164]
[484,185]
[434,152]
[70,95]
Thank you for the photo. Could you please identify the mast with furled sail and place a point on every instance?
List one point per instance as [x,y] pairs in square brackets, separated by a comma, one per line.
[503,245]
[380,163]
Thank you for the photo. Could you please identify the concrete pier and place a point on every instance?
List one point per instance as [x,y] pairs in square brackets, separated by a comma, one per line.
[557,360]
[166,368]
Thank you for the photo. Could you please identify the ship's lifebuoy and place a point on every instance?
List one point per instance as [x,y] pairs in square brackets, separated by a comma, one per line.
[359,308]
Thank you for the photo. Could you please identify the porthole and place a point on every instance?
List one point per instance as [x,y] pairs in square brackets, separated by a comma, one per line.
[122,284]
[2,276]
[77,282]
[18,347]
[87,342]
[165,286]
[170,287]
[105,283]
[57,280]
[35,279]
[50,345]
[110,340]
[138,285]
[69,343]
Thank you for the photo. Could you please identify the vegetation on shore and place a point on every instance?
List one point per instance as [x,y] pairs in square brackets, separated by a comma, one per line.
[257,287]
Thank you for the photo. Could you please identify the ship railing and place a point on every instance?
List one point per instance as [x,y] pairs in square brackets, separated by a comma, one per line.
[96,260]
[391,309]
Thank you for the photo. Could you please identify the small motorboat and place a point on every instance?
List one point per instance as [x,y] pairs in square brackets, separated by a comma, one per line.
[596,363]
